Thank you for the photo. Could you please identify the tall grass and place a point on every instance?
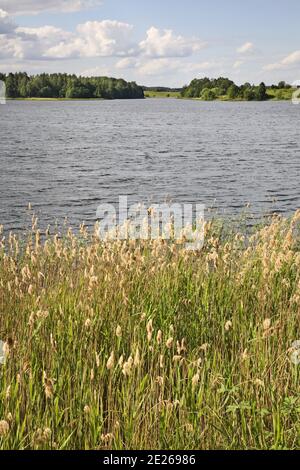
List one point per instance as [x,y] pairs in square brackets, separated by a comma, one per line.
[139,345]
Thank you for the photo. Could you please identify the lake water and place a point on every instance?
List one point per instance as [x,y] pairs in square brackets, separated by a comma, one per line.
[68,157]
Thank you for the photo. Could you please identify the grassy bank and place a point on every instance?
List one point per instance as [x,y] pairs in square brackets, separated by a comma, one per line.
[273,94]
[162,94]
[57,99]
[146,345]
[281,94]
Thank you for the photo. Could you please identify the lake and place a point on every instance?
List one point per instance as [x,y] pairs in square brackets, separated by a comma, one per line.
[68,157]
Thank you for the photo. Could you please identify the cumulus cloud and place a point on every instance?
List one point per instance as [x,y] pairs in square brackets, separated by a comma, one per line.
[246,48]
[163,66]
[96,39]
[166,44]
[20,7]
[36,42]
[91,40]
[10,45]
[44,33]
[160,53]
[6,23]
[10,48]
[27,43]
[289,61]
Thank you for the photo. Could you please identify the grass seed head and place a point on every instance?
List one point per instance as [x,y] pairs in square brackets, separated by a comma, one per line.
[195,380]
[137,358]
[266,324]
[119,332]
[149,329]
[4,428]
[111,361]
[159,337]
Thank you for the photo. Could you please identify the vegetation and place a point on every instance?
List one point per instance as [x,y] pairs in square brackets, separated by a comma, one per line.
[162,94]
[64,86]
[225,89]
[137,345]
[280,93]
[20,85]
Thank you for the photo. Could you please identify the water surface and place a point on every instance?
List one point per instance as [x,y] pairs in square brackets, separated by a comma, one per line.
[67,157]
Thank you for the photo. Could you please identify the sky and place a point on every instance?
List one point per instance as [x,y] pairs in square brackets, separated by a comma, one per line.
[157,42]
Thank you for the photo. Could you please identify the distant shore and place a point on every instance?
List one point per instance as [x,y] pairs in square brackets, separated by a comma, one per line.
[274,95]
[64,87]
[57,99]
[156,95]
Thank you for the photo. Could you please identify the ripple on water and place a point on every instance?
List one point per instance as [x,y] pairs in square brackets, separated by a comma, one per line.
[220,154]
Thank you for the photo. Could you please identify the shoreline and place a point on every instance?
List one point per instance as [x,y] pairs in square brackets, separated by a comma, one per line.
[157,97]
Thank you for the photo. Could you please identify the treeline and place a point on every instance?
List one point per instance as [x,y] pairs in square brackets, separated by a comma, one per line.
[21,85]
[211,89]
[162,89]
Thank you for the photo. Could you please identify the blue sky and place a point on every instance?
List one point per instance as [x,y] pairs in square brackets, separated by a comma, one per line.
[158,42]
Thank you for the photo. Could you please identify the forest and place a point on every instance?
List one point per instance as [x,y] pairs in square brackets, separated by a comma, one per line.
[212,89]
[21,85]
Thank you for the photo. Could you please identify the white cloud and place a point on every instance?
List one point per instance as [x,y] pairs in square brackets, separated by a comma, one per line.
[21,7]
[246,48]
[159,44]
[292,59]
[127,63]
[30,43]
[97,72]
[96,39]
[157,66]
[163,66]
[161,54]
[10,47]
[106,38]
[289,61]
[26,43]
[45,33]
[202,66]
[6,23]
[238,64]
[272,67]
[91,40]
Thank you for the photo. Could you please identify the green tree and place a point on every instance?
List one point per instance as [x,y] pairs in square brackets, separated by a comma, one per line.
[11,88]
[233,92]
[208,95]
[261,92]
[249,94]
[22,86]
[70,86]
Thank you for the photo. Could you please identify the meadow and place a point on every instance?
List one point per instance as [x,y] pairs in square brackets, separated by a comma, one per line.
[162,94]
[145,345]
[281,93]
